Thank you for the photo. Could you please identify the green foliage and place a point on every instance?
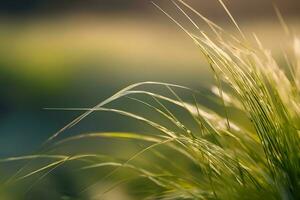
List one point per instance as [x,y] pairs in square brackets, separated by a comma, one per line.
[219,158]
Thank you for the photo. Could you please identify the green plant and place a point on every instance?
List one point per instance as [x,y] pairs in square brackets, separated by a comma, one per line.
[219,158]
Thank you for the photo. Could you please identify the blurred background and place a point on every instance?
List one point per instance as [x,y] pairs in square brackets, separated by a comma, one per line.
[75,53]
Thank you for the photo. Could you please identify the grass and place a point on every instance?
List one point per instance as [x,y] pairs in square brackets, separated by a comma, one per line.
[212,155]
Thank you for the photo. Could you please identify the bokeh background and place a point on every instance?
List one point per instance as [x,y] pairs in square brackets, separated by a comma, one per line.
[63,53]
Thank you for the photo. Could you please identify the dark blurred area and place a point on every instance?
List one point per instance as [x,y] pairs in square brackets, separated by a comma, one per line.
[16,7]
[254,8]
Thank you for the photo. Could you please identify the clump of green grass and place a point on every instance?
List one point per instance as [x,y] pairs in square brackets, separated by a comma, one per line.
[219,157]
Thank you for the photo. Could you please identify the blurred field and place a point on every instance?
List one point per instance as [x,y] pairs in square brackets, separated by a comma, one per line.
[77,60]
